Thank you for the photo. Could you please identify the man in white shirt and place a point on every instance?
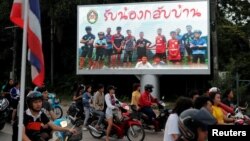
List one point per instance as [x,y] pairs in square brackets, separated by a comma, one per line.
[143,64]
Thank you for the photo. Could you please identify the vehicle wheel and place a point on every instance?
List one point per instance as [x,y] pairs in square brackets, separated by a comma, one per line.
[2,125]
[94,133]
[78,122]
[58,111]
[135,133]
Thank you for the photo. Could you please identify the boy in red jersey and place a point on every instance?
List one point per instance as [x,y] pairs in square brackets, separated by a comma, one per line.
[160,45]
[173,49]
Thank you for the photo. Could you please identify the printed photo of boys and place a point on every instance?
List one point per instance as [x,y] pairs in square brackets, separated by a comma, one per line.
[87,48]
[129,46]
[181,46]
[100,45]
[142,45]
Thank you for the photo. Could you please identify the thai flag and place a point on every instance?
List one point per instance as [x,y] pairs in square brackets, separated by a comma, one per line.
[35,54]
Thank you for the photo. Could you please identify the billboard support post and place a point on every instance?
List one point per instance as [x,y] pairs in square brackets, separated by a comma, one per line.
[153,80]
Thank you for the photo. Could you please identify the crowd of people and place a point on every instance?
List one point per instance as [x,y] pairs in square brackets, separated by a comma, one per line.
[188,120]
[115,47]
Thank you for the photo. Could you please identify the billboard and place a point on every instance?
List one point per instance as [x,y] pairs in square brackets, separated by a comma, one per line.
[144,38]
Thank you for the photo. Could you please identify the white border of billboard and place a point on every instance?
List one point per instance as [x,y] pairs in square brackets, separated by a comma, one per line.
[206,70]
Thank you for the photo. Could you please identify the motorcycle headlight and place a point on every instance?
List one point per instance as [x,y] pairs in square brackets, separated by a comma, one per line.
[64,123]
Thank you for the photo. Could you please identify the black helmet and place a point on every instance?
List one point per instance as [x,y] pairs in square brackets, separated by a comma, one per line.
[88,28]
[32,96]
[192,119]
[148,87]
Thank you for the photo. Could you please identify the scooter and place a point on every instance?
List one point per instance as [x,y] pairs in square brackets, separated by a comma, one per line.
[55,103]
[123,125]
[67,136]
[4,111]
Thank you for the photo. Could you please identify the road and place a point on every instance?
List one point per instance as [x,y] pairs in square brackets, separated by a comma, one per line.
[6,133]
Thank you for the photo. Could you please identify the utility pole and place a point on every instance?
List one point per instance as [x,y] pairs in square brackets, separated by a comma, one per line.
[213,11]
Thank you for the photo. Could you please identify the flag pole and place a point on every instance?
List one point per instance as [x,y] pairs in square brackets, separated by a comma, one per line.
[23,70]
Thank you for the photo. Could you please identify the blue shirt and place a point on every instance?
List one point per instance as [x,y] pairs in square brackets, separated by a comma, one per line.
[85,99]
[197,42]
[109,41]
[101,42]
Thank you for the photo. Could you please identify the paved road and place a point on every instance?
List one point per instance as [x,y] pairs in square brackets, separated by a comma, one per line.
[6,133]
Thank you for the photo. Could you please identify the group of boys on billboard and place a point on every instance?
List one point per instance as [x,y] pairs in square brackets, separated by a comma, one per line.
[171,35]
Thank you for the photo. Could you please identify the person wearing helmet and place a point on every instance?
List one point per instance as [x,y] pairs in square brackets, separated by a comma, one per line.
[87,48]
[198,46]
[171,132]
[173,47]
[146,102]
[129,46]
[35,119]
[117,40]
[215,95]
[187,38]
[110,101]
[100,45]
[193,124]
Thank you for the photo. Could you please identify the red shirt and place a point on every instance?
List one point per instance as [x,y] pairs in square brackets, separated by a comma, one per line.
[160,44]
[173,50]
[146,100]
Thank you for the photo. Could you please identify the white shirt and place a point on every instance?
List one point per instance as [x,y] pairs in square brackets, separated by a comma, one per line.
[110,107]
[171,127]
[140,65]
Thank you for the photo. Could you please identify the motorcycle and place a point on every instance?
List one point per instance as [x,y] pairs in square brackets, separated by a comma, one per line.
[4,111]
[239,116]
[55,103]
[160,120]
[123,125]
[67,136]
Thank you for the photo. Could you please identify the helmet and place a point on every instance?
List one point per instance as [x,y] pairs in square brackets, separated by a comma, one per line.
[82,86]
[88,28]
[198,31]
[214,90]
[192,119]
[31,97]
[148,87]
[100,33]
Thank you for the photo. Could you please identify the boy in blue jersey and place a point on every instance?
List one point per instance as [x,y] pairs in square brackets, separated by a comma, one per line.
[100,45]
[198,46]
[87,48]
[187,38]
[109,49]
[179,38]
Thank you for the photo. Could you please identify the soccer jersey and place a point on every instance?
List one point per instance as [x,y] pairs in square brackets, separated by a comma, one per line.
[88,37]
[101,42]
[173,50]
[109,41]
[160,44]
[187,38]
[118,39]
[129,43]
[197,42]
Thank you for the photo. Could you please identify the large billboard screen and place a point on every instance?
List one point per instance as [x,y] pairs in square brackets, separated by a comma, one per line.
[144,38]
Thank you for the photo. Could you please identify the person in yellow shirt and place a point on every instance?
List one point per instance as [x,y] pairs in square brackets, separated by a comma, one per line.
[215,95]
[136,95]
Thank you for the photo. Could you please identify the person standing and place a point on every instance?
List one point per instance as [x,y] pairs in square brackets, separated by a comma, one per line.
[109,49]
[87,100]
[187,39]
[117,41]
[15,95]
[87,49]
[160,44]
[174,55]
[129,45]
[100,45]
[142,45]
[181,46]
